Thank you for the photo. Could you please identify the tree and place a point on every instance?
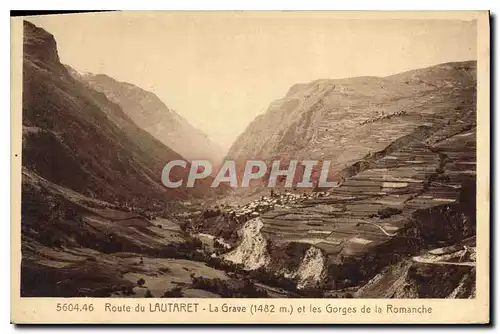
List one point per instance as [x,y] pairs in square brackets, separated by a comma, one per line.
[148,294]
[175,292]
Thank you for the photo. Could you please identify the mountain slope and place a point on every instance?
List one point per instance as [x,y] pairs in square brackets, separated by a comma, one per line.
[403,218]
[343,120]
[151,114]
[75,137]
[91,187]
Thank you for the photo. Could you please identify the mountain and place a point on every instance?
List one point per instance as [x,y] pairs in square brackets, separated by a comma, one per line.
[152,115]
[97,222]
[77,138]
[91,187]
[343,120]
[402,221]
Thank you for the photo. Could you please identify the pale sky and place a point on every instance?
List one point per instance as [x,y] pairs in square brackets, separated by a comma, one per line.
[221,70]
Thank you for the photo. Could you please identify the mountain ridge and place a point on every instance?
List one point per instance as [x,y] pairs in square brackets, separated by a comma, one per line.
[343,120]
[150,113]
[118,160]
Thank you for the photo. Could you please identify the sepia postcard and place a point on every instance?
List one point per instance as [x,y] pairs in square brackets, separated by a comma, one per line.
[250,167]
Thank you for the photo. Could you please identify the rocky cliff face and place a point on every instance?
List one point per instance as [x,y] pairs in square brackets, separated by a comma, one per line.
[344,120]
[152,115]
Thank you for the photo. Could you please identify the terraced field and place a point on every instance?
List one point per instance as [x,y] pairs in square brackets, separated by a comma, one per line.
[416,196]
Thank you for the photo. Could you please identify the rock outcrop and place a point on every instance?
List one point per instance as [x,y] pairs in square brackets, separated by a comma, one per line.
[252,251]
[447,272]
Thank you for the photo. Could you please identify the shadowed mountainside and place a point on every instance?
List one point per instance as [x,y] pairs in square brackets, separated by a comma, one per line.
[77,138]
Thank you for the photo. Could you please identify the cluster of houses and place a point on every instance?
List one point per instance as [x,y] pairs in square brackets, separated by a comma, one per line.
[382,115]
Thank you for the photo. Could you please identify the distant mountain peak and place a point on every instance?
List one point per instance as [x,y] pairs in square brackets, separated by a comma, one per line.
[150,113]
[40,46]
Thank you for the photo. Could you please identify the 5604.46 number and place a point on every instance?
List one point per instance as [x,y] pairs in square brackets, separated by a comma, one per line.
[70,307]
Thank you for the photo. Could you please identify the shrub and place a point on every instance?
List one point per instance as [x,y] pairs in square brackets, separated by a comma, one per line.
[184,226]
[388,212]
[148,294]
[233,288]
[127,290]
[141,282]
[311,292]
[174,293]
[210,213]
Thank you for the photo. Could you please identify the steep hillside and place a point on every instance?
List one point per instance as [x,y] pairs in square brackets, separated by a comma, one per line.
[403,218]
[151,114]
[97,221]
[77,138]
[343,120]
[93,208]
[401,224]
